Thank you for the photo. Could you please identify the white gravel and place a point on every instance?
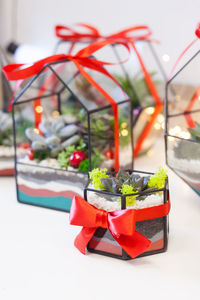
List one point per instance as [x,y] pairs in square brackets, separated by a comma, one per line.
[186,165]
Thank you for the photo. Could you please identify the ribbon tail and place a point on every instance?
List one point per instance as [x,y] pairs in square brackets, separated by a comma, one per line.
[134,245]
[83,238]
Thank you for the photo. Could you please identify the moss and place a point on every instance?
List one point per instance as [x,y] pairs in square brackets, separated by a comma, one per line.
[158,179]
[96,175]
[128,189]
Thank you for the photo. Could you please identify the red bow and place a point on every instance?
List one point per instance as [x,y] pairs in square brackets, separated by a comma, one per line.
[120,223]
[128,36]
[81,59]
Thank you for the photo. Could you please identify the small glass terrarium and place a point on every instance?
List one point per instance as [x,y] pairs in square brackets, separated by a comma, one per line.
[129,190]
[182,136]
[71,131]
[148,120]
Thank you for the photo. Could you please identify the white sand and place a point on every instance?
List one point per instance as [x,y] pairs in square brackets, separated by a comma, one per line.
[101,203]
[186,165]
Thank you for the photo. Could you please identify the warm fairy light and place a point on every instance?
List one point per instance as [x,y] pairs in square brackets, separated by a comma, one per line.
[55,114]
[150,110]
[124,125]
[150,152]
[39,109]
[177,131]
[124,132]
[157,126]
[185,135]
[166,57]
[36,130]
[170,138]
[199,98]
[163,125]
[160,118]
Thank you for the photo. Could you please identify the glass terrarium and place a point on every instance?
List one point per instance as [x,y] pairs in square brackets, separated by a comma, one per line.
[182,136]
[71,130]
[6,141]
[134,190]
[148,120]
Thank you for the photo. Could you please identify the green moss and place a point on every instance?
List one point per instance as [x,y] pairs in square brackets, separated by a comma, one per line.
[96,175]
[128,189]
[158,179]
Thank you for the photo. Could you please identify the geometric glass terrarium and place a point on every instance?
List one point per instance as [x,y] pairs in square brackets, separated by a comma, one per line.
[147,111]
[71,131]
[182,130]
[143,197]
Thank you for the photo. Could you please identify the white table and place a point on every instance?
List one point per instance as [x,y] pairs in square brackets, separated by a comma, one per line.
[38,259]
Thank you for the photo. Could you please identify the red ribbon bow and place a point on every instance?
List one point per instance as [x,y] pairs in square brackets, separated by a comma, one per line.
[81,59]
[128,36]
[120,223]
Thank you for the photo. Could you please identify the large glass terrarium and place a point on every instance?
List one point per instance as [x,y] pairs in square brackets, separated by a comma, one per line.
[148,120]
[182,136]
[71,130]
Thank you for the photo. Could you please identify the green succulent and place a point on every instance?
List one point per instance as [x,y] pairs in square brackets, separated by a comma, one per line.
[125,183]
[195,132]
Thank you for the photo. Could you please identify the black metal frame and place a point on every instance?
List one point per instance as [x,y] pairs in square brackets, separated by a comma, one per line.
[165,191]
[89,113]
[168,116]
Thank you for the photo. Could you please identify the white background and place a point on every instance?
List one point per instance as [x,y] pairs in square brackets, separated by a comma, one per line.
[32,21]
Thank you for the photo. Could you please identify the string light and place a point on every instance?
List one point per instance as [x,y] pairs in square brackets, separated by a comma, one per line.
[166,57]
[55,114]
[124,132]
[157,126]
[39,109]
[124,125]
[150,110]
[36,130]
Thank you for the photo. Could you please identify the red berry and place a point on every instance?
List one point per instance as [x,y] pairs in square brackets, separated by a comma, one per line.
[30,154]
[109,154]
[24,145]
[76,158]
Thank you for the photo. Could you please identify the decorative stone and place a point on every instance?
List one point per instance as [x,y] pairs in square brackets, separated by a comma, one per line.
[68,131]
[34,136]
[71,141]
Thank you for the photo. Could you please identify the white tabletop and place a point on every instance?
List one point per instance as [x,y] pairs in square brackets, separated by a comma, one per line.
[38,259]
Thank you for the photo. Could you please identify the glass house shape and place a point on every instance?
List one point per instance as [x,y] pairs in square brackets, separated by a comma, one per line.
[156,230]
[61,91]
[182,121]
[131,77]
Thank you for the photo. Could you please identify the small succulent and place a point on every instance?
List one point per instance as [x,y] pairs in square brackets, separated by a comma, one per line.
[125,183]
[137,88]
[5,129]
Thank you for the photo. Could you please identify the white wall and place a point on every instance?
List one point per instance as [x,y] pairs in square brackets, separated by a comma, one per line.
[172,21]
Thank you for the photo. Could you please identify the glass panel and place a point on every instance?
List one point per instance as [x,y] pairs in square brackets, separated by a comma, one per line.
[102,138]
[184,89]
[46,173]
[179,125]
[44,84]
[153,229]
[183,156]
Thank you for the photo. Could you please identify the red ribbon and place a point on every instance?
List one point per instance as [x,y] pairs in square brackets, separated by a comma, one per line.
[128,36]
[121,224]
[81,59]
[195,96]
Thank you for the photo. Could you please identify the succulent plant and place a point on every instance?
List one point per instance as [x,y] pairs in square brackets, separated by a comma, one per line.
[125,183]
[56,136]
[136,87]
[195,132]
